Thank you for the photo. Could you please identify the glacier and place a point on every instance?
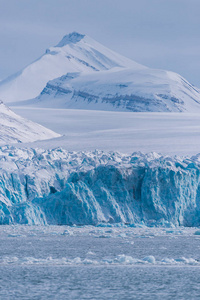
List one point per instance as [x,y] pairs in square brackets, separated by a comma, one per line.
[58,187]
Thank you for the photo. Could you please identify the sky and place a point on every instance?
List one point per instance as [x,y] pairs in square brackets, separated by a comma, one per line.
[162,34]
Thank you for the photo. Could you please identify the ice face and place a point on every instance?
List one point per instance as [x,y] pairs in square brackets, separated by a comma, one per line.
[61,187]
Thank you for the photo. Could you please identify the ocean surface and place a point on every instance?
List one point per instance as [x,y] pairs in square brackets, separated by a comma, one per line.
[62,262]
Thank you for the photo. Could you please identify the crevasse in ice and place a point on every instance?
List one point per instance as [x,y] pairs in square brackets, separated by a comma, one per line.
[60,187]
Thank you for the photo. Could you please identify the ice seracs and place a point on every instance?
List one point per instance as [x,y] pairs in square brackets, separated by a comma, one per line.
[89,188]
[15,129]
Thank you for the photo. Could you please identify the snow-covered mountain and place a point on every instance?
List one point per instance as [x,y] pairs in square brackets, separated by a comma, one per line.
[122,90]
[74,53]
[81,73]
[15,129]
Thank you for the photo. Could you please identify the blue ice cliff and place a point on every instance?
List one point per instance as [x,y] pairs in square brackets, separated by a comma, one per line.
[60,187]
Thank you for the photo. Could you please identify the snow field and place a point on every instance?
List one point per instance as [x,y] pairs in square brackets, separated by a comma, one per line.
[86,130]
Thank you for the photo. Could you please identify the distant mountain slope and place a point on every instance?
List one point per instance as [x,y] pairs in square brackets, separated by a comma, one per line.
[74,53]
[122,90]
[15,129]
[81,73]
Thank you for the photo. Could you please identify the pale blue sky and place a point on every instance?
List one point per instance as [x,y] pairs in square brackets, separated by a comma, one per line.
[157,33]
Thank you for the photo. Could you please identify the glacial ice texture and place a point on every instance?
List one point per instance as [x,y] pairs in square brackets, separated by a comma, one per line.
[58,187]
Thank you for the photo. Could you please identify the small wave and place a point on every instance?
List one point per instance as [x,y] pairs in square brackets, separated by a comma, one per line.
[118,260]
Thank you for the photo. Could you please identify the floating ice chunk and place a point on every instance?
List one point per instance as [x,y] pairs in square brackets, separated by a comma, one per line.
[197,232]
[150,259]
[90,253]
[125,259]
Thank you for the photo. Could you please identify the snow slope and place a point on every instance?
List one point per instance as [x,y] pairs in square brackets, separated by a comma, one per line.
[74,53]
[61,187]
[15,129]
[166,133]
[122,90]
[81,73]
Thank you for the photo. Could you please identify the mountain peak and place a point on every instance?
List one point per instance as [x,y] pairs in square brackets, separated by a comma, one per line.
[75,53]
[71,38]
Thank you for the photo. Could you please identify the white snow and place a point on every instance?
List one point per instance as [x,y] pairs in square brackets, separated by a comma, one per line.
[121,90]
[168,133]
[15,129]
[75,53]
[81,73]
